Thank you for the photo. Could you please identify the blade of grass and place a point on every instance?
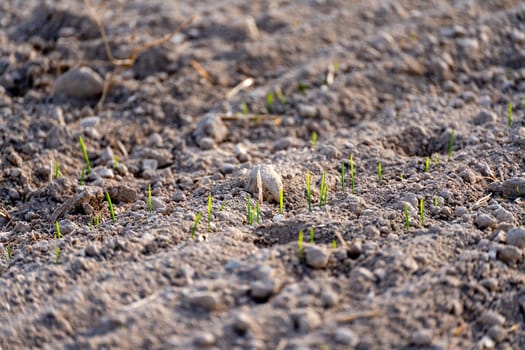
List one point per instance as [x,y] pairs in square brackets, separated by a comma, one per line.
[379,172]
[422,211]
[57,227]
[407,218]
[450,143]
[427,164]
[312,235]
[314,139]
[150,200]
[57,255]
[308,191]
[110,206]
[281,201]
[209,212]
[342,177]
[300,245]
[352,174]
[84,152]
[509,115]
[195,224]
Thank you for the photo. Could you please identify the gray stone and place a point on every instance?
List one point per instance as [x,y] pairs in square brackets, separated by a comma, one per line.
[205,339]
[206,143]
[491,318]
[105,172]
[483,221]
[211,126]
[262,290]
[243,323]
[484,117]
[227,168]
[67,227]
[178,196]
[422,337]
[497,333]
[79,83]
[92,250]
[241,153]
[510,254]
[150,164]
[346,336]
[510,188]
[270,182]
[503,215]
[316,256]
[516,237]
[307,111]
[123,193]
[306,320]
[207,300]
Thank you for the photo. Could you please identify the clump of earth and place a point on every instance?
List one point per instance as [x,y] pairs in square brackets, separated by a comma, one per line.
[429,254]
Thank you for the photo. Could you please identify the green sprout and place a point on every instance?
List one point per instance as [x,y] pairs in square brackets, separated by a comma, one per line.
[379,172]
[116,162]
[257,212]
[150,200]
[422,211]
[9,251]
[57,255]
[334,243]
[308,191]
[209,211]
[244,108]
[407,218]
[302,88]
[427,164]
[57,226]
[323,190]
[509,115]
[57,170]
[269,102]
[312,235]
[84,152]
[300,245]
[195,223]
[94,221]
[280,96]
[314,139]
[281,201]
[82,176]
[223,205]
[435,201]
[450,143]
[343,177]
[352,174]
[249,212]
[110,206]
[436,159]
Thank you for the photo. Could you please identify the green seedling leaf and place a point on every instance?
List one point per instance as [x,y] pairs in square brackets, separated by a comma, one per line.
[57,255]
[303,88]
[407,218]
[352,174]
[312,235]
[57,170]
[9,251]
[322,190]
[281,201]
[379,172]
[334,243]
[342,177]
[314,139]
[249,212]
[82,176]
[308,191]
[244,108]
[509,115]
[427,164]
[450,144]
[300,245]
[116,162]
[435,201]
[195,224]
[110,207]
[269,102]
[209,212]
[436,159]
[57,227]
[84,152]
[280,96]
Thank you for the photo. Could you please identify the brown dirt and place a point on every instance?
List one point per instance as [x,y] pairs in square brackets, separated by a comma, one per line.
[383,81]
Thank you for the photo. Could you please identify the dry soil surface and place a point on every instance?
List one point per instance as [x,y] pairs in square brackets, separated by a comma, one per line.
[419,256]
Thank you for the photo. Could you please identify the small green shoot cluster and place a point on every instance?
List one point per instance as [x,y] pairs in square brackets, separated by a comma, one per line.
[57,255]
[253,214]
[94,221]
[244,108]
[110,207]
[116,162]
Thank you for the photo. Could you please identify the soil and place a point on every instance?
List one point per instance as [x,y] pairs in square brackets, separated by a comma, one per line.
[386,82]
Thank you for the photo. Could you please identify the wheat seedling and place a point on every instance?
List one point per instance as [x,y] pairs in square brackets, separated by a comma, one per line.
[322,190]
[302,88]
[57,170]
[209,212]
[84,152]
[308,191]
[269,102]
[450,143]
[223,205]
[110,206]
[379,172]
[150,200]
[314,139]
[9,251]
[244,108]
[312,235]
[58,234]
[300,245]
[422,211]
[435,201]
[427,164]
[116,162]
[249,212]
[195,223]
[436,159]
[334,243]
[82,176]
[280,95]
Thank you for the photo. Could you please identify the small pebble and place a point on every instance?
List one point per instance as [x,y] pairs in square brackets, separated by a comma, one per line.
[271,182]
[316,256]
[207,300]
[149,164]
[92,250]
[211,126]
[79,83]
[306,320]
[510,254]
[347,337]
[178,196]
[227,168]
[422,337]
[205,339]
[497,333]
[491,318]
[307,111]
[483,221]
[262,290]
[516,237]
